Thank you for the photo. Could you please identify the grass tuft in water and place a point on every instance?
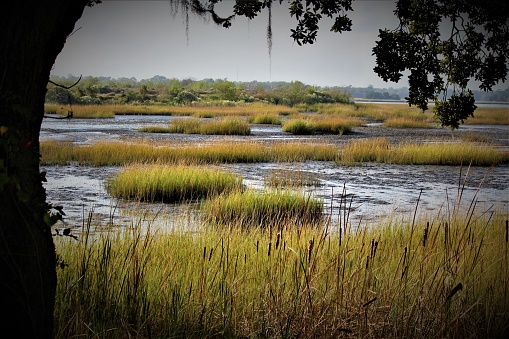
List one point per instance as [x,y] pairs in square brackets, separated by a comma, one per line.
[271,209]
[170,183]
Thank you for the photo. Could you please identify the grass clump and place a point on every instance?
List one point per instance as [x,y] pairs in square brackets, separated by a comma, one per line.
[298,127]
[271,209]
[320,124]
[380,150]
[170,184]
[265,119]
[224,126]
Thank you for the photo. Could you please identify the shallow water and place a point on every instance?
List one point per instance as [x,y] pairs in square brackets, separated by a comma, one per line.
[374,190]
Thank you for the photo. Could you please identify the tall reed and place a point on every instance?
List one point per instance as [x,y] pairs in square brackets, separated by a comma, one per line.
[428,276]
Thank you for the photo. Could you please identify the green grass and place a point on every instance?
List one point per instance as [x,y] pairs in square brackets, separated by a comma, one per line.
[170,183]
[434,277]
[272,209]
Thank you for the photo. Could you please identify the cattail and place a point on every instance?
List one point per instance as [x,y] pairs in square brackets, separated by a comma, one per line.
[277,240]
[310,248]
[270,245]
[404,261]
[455,290]
[210,253]
[369,302]
[445,233]
[425,237]
[257,243]
[204,252]
[506,231]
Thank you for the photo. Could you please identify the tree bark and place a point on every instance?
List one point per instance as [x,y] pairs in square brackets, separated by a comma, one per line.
[32,35]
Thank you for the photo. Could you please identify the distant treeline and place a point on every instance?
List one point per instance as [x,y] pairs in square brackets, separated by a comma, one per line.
[162,90]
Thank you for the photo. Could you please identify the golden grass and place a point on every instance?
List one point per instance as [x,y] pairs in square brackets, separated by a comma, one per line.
[121,153]
[82,111]
[196,110]
[265,118]
[407,123]
[305,124]
[434,277]
[489,116]
[380,150]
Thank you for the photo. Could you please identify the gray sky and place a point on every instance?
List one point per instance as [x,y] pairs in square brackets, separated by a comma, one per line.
[141,39]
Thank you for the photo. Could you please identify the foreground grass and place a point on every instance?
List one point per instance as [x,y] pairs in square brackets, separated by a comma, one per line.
[436,276]
[170,183]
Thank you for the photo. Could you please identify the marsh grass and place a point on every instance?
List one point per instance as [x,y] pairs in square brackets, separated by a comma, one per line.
[197,110]
[291,178]
[81,111]
[270,209]
[407,123]
[298,127]
[489,116]
[217,126]
[376,112]
[265,119]
[121,153]
[380,150]
[170,184]
[429,276]
[309,124]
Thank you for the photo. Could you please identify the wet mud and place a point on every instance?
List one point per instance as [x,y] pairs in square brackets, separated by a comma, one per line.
[371,191]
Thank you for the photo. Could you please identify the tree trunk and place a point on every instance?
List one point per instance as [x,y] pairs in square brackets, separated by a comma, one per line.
[32,35]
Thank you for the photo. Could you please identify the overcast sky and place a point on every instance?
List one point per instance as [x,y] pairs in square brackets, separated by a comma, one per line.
[142,38]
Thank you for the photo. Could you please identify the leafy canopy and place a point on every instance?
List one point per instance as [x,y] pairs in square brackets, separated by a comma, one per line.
[442,44]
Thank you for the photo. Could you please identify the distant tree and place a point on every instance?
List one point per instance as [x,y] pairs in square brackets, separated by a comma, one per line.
[34,33]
